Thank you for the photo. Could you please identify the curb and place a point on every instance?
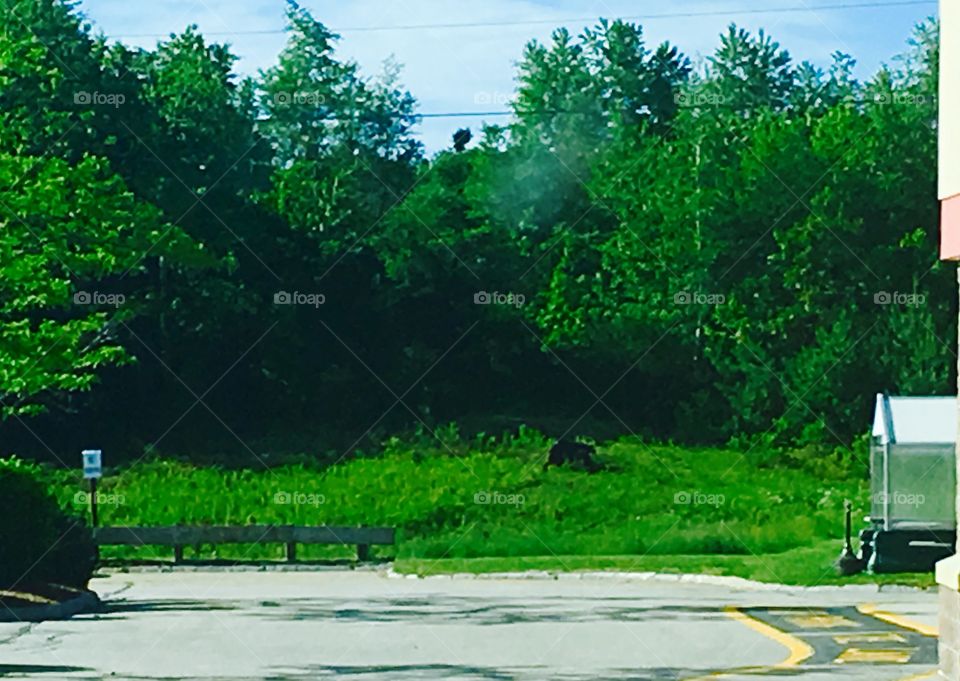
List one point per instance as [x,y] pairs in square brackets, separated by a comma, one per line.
[387,571]
[86,601]
[738,583]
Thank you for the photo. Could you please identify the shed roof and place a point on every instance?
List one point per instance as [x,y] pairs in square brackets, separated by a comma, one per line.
[916,420]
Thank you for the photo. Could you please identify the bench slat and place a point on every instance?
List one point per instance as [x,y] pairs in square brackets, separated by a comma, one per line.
[343,535]
[243,534]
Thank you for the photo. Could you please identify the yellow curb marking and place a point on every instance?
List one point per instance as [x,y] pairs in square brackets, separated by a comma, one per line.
[799,650]
[880,637]
[898,620]
[875,656]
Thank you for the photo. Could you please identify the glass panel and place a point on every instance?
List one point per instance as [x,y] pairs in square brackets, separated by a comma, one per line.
[922,485]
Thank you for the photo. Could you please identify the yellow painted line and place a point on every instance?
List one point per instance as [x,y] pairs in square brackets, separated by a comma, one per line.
[799,651]
[824,621]
[921,677]
[875,656]
[727,673]
[786,612]
[897,620]
[880,637]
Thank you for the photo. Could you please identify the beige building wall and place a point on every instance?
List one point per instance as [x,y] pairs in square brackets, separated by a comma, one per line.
[949,98]
[948,570]
[949,129]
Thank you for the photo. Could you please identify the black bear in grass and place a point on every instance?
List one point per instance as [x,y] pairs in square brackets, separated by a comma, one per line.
[574,454]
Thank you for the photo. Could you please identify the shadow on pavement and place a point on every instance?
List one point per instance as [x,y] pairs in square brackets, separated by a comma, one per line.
[472,673]
[426,610]
[20,669]
[447,610]
[182,605]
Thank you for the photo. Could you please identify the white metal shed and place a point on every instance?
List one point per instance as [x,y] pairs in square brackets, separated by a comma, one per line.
[912,462]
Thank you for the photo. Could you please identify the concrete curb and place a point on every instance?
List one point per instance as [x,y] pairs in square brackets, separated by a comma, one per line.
[738,583]
[86,601]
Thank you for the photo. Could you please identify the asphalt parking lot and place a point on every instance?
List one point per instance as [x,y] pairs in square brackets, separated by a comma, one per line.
[342,624]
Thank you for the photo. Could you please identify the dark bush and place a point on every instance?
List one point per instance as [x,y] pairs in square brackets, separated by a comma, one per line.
[38,541]
[72,559]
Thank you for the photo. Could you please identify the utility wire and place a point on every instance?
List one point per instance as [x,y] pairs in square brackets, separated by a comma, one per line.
[577,20]
[880,100]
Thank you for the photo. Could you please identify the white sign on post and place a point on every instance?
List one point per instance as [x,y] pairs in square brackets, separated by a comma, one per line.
[91,464]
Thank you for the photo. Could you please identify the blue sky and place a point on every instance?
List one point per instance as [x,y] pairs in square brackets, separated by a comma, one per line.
[472,69]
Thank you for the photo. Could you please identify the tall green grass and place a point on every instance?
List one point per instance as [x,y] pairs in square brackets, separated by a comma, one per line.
[491,497]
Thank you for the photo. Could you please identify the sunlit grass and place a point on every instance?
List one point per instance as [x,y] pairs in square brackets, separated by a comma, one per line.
[655,507]
[805,566]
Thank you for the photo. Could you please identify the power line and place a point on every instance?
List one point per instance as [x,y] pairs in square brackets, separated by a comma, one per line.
[636,17]
[567,112]
[577,20]
[474,114]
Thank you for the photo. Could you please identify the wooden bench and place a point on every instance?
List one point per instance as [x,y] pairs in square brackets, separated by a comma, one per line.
[291,535]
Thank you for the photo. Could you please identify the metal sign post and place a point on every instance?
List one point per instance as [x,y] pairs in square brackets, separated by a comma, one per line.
[92,471]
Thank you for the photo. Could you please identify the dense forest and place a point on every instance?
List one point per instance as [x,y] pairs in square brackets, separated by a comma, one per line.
[195,261]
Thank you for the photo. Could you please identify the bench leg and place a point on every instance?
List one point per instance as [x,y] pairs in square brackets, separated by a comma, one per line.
[363,552]
[178,554]
[291,551]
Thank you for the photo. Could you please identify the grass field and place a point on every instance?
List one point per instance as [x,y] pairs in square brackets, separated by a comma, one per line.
[488,505]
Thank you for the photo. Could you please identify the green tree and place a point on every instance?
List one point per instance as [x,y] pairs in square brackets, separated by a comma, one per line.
[69,233]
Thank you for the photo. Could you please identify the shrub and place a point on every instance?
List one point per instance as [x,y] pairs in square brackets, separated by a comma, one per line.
[38,541]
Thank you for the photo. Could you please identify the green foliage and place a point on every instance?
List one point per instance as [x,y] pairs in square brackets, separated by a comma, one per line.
[706,250]
[783,224]
[38,541]
[67,232]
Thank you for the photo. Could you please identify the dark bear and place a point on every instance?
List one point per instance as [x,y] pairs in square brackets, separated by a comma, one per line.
[461,138]
[575,454]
